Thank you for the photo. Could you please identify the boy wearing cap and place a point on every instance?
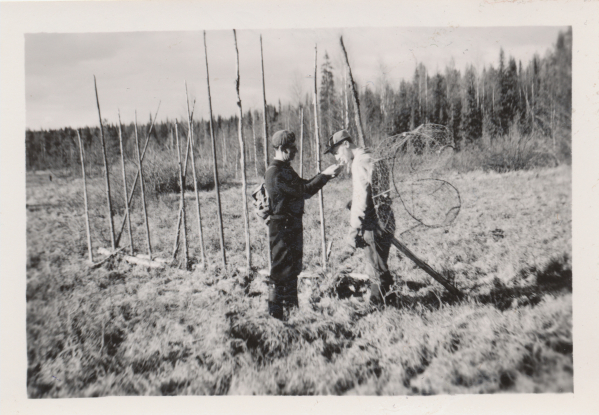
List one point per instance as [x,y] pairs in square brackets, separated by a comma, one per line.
[368,180]
[287,192]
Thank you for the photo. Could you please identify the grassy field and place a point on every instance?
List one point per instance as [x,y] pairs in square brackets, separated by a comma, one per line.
[126,330]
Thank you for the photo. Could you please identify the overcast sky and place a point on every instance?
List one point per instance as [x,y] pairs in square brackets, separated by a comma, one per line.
[136,70]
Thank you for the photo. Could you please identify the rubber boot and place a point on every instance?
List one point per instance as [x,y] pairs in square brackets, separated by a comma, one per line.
[386,284]
[377,300]
[274,307]
[275,310]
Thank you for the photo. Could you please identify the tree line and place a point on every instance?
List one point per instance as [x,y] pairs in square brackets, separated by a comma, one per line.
[478,106]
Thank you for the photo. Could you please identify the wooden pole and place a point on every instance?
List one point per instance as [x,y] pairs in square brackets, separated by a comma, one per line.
[255,146]
[180,218]
[425,96]
[225,161]
[182,215]
[216,187]
[89,237]
[112,240]
[125,186]
[244,196]
[301,146]
[141,185]
[118,238]
[195,179]
[356,100]
[317,137]
[425,267]
[345,102]
[265,122]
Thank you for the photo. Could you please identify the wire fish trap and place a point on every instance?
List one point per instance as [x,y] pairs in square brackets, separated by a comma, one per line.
[408,167]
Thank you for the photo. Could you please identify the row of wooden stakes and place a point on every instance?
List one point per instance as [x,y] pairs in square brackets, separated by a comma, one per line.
[149,259]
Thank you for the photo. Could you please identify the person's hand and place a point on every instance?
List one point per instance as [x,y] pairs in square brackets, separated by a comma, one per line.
[355,239]
[333,170]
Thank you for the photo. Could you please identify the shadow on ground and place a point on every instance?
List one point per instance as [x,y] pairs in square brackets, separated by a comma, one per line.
[528,287]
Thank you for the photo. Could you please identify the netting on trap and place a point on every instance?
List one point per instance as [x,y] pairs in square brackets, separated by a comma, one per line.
[407,173]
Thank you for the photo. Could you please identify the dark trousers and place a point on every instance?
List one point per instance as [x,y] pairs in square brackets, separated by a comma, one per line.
[287,248]
[376,253]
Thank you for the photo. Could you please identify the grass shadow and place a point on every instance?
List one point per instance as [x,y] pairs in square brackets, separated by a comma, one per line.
[530,285]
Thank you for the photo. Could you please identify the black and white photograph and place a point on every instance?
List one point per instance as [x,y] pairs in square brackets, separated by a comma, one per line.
[376,210]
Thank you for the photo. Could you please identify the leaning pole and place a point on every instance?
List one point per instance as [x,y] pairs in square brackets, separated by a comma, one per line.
[265,121]
[130,199]
[195,179]
[143,192]
[112,240]
[317,138]
[182,216]
[244,196]
[356,100]
[126,192]
[89,238]
[216,186]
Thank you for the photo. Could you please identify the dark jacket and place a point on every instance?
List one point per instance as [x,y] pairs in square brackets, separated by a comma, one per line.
[287,190]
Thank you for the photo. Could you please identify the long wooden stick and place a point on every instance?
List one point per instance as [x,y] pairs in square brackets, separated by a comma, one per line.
[301,146]
[224,147]
[125,185]
[252,117]
[265,109]
[180,218]
[356,100]
[216,186]
[244,196]
[195,179]
[141,185]
[425,267]
[89,238]
[345,102]
[106,175]
[317,137]
[118,238]
[182,203]
[265,123]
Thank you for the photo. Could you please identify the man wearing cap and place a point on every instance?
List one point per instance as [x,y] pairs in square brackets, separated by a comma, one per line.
[368,179]
[287,192]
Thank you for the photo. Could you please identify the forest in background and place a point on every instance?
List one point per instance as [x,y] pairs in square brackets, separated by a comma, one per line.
[481,107]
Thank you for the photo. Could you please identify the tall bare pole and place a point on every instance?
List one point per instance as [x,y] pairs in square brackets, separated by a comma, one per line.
[265,122]
[112,240]
[182,215]
[425,96]
[89,237]
[244,196]
[345,102]
[301,146]
[216,187]
[255,145]
[118,238]
[141,185]
[195,179]
[225,161]
[180,218]
[317,138]
[356,100]
[125,185]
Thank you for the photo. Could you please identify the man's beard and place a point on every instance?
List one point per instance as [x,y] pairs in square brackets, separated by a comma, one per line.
[288,157]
